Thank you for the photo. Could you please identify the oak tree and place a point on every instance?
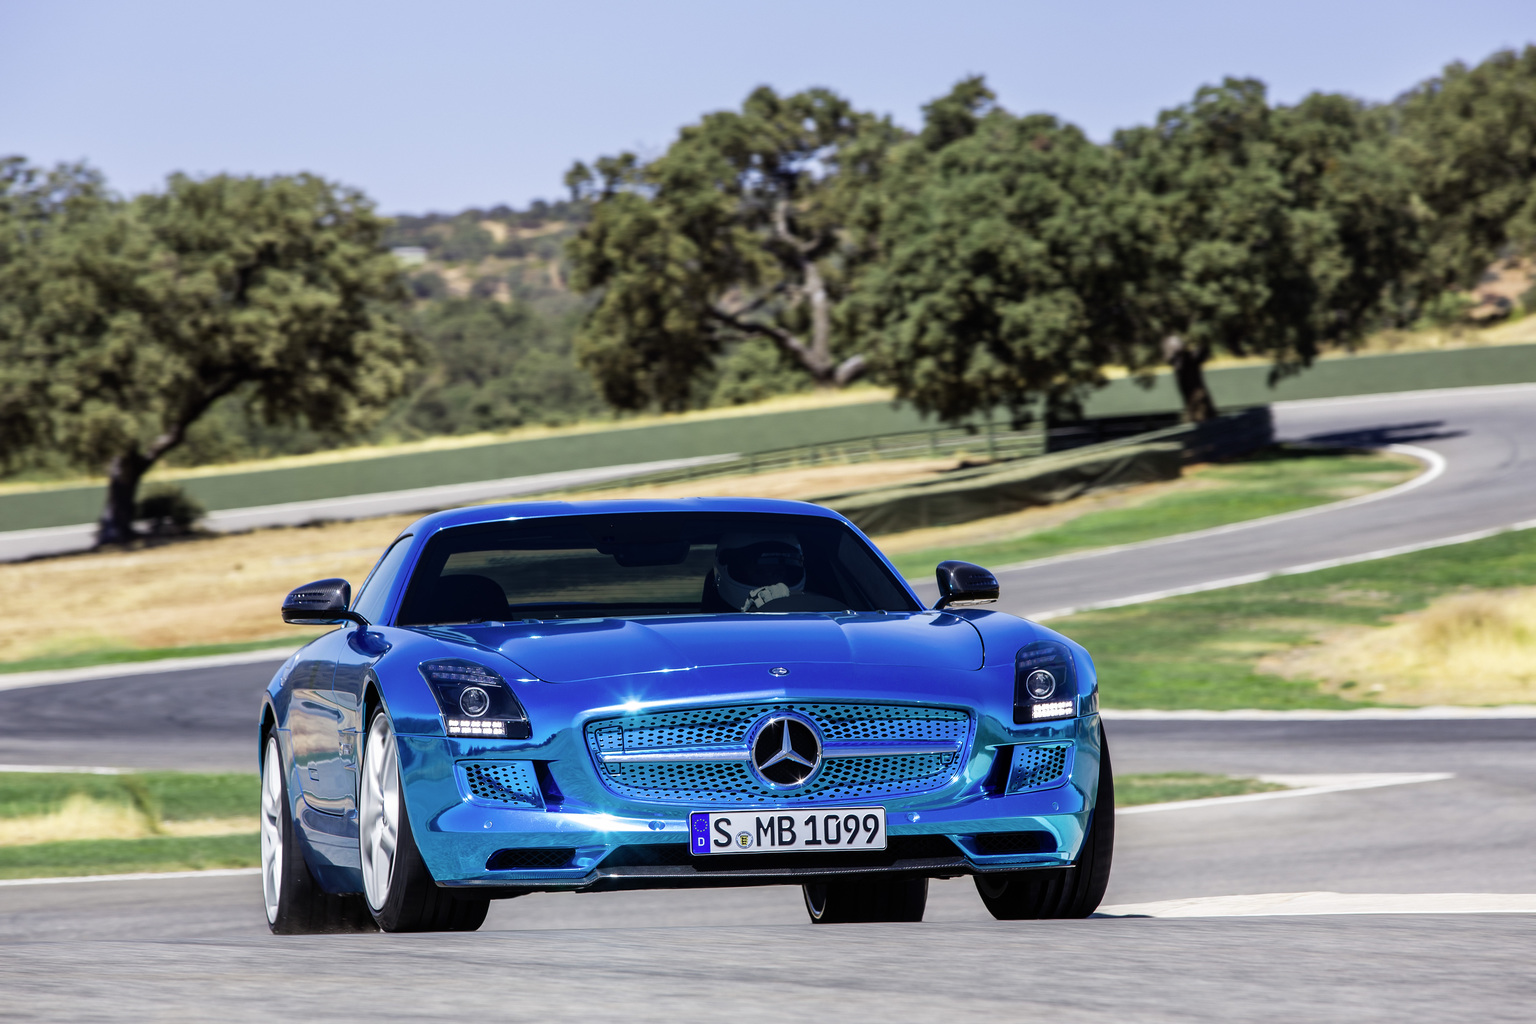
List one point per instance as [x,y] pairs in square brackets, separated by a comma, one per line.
[122,322]
[736,232]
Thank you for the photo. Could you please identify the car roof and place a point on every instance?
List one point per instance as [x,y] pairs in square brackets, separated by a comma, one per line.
[514,510]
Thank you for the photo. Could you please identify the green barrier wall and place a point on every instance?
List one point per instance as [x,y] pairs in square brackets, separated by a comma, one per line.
[1234,387]
[1240,386]
[763,432]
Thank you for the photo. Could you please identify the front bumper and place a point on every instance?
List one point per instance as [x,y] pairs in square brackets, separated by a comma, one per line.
[585,839]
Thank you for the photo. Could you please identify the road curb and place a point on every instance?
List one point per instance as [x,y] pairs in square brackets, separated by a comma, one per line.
[124,669]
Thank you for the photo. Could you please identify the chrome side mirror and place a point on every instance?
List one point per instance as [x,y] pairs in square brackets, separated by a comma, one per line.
[321,603]
[961,583]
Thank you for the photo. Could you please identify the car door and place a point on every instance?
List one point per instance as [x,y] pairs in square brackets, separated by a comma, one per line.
[314,722]
[354,660]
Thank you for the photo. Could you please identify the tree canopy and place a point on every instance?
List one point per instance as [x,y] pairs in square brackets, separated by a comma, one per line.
[1468,137]
[734,233]
[1257,230]
[121,323]
[999,271]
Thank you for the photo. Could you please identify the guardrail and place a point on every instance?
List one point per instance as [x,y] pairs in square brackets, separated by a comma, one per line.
[1222,438]
[938,443]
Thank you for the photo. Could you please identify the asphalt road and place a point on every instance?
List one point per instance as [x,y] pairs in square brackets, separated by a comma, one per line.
[198,948]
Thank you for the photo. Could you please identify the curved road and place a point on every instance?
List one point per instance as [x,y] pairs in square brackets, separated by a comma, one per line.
[1486,437]
[197,948]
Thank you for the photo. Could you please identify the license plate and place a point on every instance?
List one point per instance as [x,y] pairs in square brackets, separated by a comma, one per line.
[832,828]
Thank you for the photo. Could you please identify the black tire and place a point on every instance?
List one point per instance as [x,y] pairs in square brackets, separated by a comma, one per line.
[412,900]
[1061,892]
[299,906]
[868,899]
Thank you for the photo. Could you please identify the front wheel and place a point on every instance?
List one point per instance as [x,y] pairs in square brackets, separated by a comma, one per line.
[296,905]
[860,900]
[1061,892]
[398,887]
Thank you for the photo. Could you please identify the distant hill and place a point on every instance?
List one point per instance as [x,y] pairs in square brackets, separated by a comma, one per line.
[500,253]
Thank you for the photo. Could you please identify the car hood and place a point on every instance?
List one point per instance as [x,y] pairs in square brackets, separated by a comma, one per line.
[576,650]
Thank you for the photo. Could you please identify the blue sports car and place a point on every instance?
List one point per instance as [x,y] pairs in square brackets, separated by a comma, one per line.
[553,696]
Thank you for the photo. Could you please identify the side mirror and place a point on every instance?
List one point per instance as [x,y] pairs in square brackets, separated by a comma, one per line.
[961,583]
[321,603]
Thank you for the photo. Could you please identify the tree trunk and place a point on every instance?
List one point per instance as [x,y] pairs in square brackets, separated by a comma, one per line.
[1188,362]
[116,523]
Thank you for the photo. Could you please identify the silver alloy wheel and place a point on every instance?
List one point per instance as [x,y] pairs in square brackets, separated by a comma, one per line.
[272,810]
[378,824]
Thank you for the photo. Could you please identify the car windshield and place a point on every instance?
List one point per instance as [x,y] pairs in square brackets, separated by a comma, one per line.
[647,563]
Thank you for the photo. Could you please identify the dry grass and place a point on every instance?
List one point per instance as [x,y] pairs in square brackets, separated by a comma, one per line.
[1468,648]
[213,590]
[227,589]
[81,817]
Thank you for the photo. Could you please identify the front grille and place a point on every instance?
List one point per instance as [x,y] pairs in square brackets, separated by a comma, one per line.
[1037,765]
[501,782]
[524,860]
[702,783]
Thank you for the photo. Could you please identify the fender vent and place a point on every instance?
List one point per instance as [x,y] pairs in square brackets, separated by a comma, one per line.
[510,783]
[1038,765]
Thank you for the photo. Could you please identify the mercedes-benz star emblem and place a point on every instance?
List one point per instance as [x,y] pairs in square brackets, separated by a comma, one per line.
[786,749]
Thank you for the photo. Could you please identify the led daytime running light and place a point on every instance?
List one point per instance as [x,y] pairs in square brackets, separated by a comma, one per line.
[475,701]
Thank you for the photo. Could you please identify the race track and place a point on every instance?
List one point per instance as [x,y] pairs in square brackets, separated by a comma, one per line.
[198,948]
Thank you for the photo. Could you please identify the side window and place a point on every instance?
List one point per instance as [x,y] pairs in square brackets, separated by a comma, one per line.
[369,602]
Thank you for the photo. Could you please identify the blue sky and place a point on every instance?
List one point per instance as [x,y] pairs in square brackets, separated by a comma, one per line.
[454,103]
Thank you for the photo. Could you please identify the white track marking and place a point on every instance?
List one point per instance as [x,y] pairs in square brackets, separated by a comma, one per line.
[1294,570]
[20,680]
[154,876]
[1429,713]
[1292,904]
[1308,785]
[63,769]
[1434,468]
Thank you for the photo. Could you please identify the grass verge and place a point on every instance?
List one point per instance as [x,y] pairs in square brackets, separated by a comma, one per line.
[1271,482]
[1205,650]
[188,795]
[1131,790]
[124,657]
[122,856]
[65,823]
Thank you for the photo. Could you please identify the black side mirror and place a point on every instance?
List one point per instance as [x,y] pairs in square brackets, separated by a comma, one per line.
[321,603]
[962,583]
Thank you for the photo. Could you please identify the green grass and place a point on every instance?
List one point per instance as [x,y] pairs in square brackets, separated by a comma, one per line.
[1131,790]
[1200,650]
[122,856]
[163,796]
[126,656]
[1275,481]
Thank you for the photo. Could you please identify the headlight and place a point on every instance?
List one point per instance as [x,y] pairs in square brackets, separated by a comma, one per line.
[475,701]
[1045,684]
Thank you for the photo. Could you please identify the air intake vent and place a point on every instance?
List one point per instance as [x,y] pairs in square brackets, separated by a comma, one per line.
[1038,765]
[996,844]
[528,860]
[509,783]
